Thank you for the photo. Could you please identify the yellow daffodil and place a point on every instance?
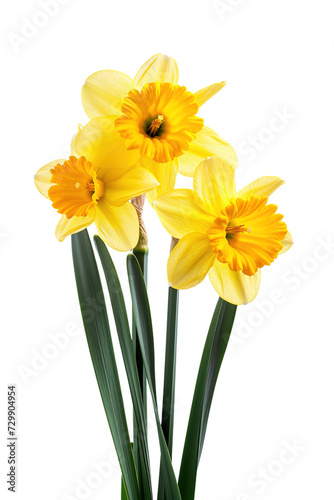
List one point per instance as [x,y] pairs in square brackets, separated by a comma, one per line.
[95,185]
[156,117]
[227,234]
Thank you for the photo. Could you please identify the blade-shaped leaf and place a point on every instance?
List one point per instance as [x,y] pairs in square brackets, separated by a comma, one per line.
[219,345]
[124,495]
[142,257]
[95,319]
[167,420]
[213,353]
[141,310]
[123,330]
[145,333]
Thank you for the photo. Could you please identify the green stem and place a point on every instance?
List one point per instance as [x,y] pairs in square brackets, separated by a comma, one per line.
[167,421]
[142,257]
[129,358]
[170,368]
[143,318]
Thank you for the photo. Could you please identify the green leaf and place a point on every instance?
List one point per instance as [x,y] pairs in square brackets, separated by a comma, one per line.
[142,313]
[219,345]
[170,368]
[145,333]
[95,319]
[167,420]
[124,495]
[142,257]
[212,357]
[123,330]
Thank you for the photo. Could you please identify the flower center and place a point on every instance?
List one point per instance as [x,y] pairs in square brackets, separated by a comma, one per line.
[230,230]
[160,120]
[76,187]
[248,234]
[154,128]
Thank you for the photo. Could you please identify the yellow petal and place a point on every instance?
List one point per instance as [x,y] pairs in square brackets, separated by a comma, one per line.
[103,146]
[43,177]
[73,151]
[287,242]
[234,286]
[264,186]
[159,68]
[207,143]
[73,225]
[104,91]
[165,173]
[205,94]
[117,226]
[133,183]
[190,261]
[214,183]
[180,212]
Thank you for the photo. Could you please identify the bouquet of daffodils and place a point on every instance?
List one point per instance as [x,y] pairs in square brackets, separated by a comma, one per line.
[141,133]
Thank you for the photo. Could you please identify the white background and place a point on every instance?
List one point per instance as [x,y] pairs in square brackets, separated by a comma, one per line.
[276,385]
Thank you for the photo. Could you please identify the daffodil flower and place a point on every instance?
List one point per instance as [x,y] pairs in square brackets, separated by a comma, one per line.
[227,234]
[95,185]
[156,117]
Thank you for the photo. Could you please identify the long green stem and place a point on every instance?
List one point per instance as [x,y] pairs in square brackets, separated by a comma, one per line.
[142,257]
[167,421]
[170,368]
[145,333]
[141,253]
[129,358]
